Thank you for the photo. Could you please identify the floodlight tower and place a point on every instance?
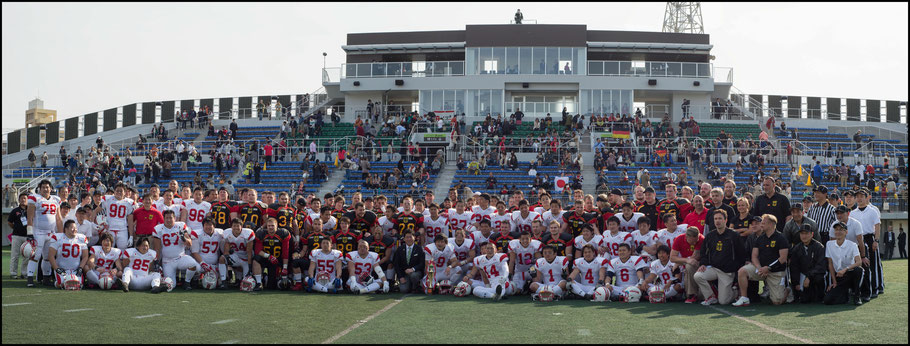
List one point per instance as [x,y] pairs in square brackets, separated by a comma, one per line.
[683,17]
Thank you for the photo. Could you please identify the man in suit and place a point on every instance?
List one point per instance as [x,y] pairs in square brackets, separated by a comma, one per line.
[889,244]
[902,242]
[409,264]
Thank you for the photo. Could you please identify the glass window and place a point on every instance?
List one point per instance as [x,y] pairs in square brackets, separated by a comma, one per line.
[437,100]
[378,69]
[363,70]
[566,63]
[395,69]
[459,101]
[512,60]
[457,68]
[688,69]
[499,56]
[626,101]
[552,60]
[625,68]
[486,56]
[611,68]
[704,70]
[407,69]
[540,65]
[448,101]
[350,70]
[470,60]
[595,68]
[596,102]
[526,61]
[580,60]
[674,69]
[425,101]
[616,99]
[484,103]
[585,98]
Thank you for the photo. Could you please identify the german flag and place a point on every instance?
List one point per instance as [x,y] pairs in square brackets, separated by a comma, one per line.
[621,134]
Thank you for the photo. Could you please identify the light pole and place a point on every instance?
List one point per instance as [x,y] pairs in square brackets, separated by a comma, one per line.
[323,60]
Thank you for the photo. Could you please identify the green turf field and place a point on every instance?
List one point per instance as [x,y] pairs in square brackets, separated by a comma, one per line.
[42,315]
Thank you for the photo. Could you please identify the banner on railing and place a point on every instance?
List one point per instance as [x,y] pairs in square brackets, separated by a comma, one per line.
[619,130]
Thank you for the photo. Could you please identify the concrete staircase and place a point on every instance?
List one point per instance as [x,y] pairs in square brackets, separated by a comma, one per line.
[335,179]
[444,180]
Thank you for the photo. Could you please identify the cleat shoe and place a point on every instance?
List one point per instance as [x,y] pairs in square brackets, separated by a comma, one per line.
[155,290]
[187,287]
[874,295]
[31,282]
[47,281]
[857,301]
[498,294]
[742,301]
[691,300]
[222,287]
[258,287]
[866,299]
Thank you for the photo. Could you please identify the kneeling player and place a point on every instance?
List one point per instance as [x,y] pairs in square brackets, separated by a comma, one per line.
[588,273]
[523,252]
[236,256]
[68,255]
[173,238]
[494,269]
[550,269]
[207,245]
[464,253]
[628,270]
[362,265]
[103,258]
[665,276]
[136,262]
[325,268]
[440,257]
[271,251]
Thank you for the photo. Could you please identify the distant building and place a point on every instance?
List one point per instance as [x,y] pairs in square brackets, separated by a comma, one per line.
[37,115]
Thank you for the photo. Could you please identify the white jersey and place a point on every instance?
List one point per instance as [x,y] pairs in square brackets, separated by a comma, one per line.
[611,242]
[361,264]
[89,230]
[524,256]
[238,243]
[433,227]
[175,207]
[664,272]
[45,220]
[589,272]
[69,250]
[139,262]
[496,220]
[630,225]
[666,237]
[457,220]
[439,257]
[548,217]
[117,211]
[625,271]
[647,239]
[523,223]
[325,262]
[596,241]
[388,228]
[479,238]
[172,245]
[461,251]
[329,225]
[195,213]
[493,267]
[478,214]
[207,246]
[551,272]
[105,260]
[540,210]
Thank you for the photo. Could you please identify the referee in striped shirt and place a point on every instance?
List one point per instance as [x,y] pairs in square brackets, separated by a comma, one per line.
[822,213]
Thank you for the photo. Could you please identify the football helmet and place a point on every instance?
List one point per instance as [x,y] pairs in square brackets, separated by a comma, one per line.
[209,280]
[247,284]
[546,294]
[444,287]
[27,249]
[101,220]
[631,294]
[106,281]
[323,279]
[365,279]
[71,282]
[656,295]
[462,289]
[284,283]
[168,283]
[601,294]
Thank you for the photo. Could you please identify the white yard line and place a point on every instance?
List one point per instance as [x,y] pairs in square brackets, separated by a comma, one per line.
[765,327]
[363,321]
[15,304]
[33,294]
[78,310]
[147,316]
[224,321]
[230,342]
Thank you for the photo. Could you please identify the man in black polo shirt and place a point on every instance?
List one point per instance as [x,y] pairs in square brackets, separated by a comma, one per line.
[772,202]
[769,263]
[17,222]
[717,196]
[721,256]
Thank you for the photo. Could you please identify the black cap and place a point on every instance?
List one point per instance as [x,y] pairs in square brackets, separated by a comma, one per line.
[834,196]
[821,188]
[796,206]
[756,218]
[616,192]
[808,198]
[649,189]
[806,228]
[863,191]
[841,209]
[301,201]
[65,205]
[841,224]
[848,193]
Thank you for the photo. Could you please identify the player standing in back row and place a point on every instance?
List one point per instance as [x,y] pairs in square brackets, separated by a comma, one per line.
[119,212]
[43,221]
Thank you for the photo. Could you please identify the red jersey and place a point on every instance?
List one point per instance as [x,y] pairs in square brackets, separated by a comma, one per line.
[146,220]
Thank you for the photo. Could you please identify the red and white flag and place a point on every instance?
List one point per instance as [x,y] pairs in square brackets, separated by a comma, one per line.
[562,183]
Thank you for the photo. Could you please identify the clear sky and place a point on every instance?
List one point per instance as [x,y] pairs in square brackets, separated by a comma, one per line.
[89,57]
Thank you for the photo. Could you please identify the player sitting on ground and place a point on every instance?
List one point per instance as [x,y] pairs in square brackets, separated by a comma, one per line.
[628,270]
[207,245]
[324,274]
[464,253]
[665,275]
[364,269]
[494,269]
[589,272]
[613,237]
[68,255]
[137,273]
[644,240]
[173,239]
[587,237]
[550,270]
[523,252]
[440,256]
[103,258]
[271,251]
[236,243]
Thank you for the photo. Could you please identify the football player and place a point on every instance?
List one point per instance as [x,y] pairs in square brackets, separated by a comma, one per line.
[172,238]
[523,217]
[362,220]
[464,252]
[167,202]
[628,270]
[68,254]
[385,221]
[555,213]
[434,225]
[550,270]
[664,274]
[195,210]
[667,235]
[649,206]
[483,210]
[501,215]
[562,242]
[104,258]
[362,265]
[407,220]
[589,272]
[483,233]
[222,212]
[494,268]
[137,263]
[460,218]
[573,222]
[588,237]
[43,220]
[628,220]
[503,236]
[284,212]
[338,209]
[384,245]
[236,244]
[206,247]
[324,274]
[272,248]
[439,255]
[329,222]
[645,240]
[345,240]
[671,204]
[542,205]
[614,237]
[118,210]
[523,252]
[252,211]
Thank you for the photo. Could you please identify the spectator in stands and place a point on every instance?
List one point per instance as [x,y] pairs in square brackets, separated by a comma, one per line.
[32,158]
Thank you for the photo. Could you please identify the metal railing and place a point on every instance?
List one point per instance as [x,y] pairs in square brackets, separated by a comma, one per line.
[402,69]
[649,69]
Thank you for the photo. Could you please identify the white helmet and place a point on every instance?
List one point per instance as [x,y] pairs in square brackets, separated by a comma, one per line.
[656,295]
[168,283]
[72,282]
[247,284]
[631,294]
[546,294]
[445,287]
[209,280]
[462,289]
[601,294]
[27,249]
[106,280]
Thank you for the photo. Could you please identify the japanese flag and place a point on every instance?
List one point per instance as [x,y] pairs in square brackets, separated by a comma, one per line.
[562,183]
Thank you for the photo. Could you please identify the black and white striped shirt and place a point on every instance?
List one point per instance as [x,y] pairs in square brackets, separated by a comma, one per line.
[823,216]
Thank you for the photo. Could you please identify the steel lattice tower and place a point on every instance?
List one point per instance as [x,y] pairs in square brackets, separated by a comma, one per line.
[683,17]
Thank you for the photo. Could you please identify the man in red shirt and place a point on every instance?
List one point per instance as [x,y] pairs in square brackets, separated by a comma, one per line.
[685,253]
[146,218]
[697,216]
[268,152]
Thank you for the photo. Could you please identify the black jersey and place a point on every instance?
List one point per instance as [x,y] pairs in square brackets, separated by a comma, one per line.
[252,213]
[345,241]
[221,214]
[277,244]
[576,222]
[561,242]
[361,226]
[502,240]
